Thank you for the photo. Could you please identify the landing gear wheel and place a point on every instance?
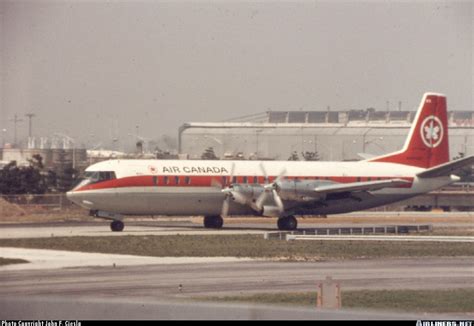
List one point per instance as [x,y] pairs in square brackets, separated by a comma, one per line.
[213,222]
[117,226]
[287,223]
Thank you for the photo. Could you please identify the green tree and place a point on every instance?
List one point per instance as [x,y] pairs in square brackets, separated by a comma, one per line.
[209,154]
[22,180]
[310,156]
[294,157]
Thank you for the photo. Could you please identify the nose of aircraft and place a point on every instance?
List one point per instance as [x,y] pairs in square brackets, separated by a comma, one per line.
[79,199]
[75,197]
[71,196]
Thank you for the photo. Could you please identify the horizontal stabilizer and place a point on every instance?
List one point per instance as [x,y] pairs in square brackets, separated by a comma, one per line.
[447,169]
[361,186]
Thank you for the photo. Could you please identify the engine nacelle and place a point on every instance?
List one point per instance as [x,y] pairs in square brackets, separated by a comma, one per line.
[271,211]
[245,194]
[300,190]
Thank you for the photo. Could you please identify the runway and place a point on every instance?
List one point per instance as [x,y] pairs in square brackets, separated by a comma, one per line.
[35,227]
[220,277]
[148,287]
[102,230]
[160,282]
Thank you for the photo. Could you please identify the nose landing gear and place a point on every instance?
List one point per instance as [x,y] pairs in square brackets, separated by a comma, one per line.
[117,226]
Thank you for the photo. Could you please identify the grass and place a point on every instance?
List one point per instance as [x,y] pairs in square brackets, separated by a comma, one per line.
[453,301]
[9,261]
[243,246]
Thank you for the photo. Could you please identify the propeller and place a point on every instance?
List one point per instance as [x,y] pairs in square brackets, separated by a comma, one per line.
[278,200]
[225,205]
[273,186]
[228,193]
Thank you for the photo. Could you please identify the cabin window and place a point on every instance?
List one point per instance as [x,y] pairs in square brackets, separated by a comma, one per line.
[176,180]
[234,179]
[358,179]
[255,180]
[187,180]
[166,180]
[155,180]
[244,180]
[369,179]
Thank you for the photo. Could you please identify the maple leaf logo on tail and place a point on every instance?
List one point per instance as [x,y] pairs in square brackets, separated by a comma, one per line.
[432,131]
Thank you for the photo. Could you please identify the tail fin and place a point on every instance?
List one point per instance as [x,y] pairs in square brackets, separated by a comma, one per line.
[427,143]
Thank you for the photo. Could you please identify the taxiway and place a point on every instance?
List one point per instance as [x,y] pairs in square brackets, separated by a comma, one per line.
[149,287]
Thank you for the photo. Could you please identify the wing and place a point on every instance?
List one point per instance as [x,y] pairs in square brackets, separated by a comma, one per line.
[447,169]
[361,186]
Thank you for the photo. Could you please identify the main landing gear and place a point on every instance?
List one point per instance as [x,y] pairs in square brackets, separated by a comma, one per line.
[213,222]
[287,223]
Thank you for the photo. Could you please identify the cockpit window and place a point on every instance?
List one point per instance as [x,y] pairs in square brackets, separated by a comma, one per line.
[98,176]
[91,177]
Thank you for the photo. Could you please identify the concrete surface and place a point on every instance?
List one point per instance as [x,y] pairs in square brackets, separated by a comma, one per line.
[52,259]
[154,291]
[65,285]
[54,308]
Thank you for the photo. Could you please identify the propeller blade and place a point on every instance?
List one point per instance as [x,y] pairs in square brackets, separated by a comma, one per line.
[225,206]
[280,176]
[270,187]
[260,200]
[278,200]
[262,167]
[232,170]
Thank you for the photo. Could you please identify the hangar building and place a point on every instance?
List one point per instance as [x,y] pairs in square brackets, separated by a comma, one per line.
[334,135]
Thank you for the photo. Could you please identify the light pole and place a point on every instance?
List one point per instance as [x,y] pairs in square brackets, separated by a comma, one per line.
[30,116]
[15,120]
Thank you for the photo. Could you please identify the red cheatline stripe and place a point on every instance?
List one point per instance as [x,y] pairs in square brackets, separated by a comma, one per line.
[209,181]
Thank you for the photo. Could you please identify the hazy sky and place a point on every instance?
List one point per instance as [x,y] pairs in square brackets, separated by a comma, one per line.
[86,67]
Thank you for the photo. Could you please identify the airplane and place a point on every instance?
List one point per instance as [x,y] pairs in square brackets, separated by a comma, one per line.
[218,189]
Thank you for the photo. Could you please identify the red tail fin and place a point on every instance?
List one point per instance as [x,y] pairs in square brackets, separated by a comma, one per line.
[427,143]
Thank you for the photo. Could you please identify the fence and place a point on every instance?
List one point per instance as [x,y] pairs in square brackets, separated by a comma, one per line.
[45,201]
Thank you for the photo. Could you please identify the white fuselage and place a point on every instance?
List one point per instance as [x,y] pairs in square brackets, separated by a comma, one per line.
[175,187]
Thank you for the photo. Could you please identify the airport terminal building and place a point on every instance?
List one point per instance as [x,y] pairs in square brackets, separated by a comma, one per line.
[333,135]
